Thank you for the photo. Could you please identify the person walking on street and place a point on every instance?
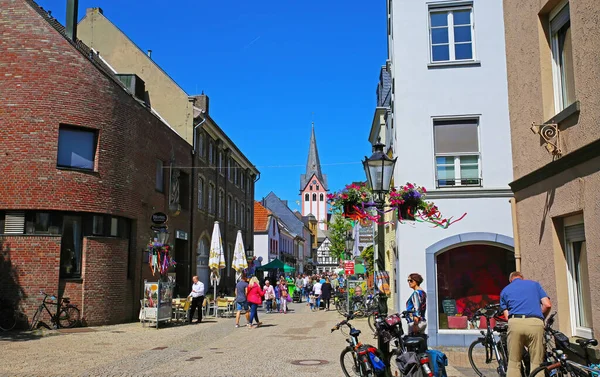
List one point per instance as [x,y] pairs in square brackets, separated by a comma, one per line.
[299,287]
[255,295]
[326,290]
[241,300]
[269,295]
[197,295]
[417,303]
[525,304]
[283,294]
[317,290]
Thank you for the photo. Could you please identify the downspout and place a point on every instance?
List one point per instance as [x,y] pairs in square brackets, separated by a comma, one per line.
[192,184]
[513,210]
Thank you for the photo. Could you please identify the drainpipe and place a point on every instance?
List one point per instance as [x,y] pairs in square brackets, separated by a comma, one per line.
[194,180]
[513,208]
[71,21]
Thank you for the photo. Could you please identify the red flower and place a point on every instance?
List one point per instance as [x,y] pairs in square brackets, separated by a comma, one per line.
[423,188]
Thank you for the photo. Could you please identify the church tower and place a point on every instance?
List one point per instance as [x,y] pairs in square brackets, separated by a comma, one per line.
[313,186]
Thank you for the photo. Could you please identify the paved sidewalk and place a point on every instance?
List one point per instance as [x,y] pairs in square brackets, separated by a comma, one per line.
[286,345]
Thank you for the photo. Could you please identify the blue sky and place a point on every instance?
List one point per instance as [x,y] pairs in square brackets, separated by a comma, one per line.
[267,66]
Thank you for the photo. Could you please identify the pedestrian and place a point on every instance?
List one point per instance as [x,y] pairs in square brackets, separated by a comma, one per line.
[197,295]
[255,295]
[269,295]
[299,287]
[326,290]
[525,304]
[317,292]
[241,300]
[417,303]
[311,301]
[283,295]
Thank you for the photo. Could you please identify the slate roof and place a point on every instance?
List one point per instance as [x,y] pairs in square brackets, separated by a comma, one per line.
[313,164]
[284,213]
[261,218]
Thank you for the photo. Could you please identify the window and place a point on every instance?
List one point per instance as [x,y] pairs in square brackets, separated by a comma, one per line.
[229,209]
[321,197]
[578,278]
[221,167]
[2,221]
[317,187]
[201,144]
[200,193]
[42,223]
[451,34]
[211,197]
[306,197]
[310,187]
[562,56]
[211,153]
[184,190]
[248,218]
[235,173]
[242,216]
[242,180]
[457,152]
[76,148]
[220,204]
[235,212]
[229,167]
[314,197]
[70,247]
[160,176]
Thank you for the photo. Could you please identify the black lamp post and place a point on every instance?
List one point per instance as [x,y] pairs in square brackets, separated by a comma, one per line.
[379,169]
[349,244]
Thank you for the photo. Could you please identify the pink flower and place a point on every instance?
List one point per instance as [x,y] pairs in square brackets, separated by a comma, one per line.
[423,188]
[344,196]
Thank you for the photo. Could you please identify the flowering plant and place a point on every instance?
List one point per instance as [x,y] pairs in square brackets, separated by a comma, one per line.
[410,199]
[351,195]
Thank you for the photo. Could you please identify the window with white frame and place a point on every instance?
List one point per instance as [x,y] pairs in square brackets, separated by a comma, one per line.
[578,277]
[76,147]
[200,193]
[451,33]
[562,57]
[457,152]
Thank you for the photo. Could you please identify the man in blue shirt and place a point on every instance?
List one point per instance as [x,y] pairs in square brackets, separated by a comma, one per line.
[525,304]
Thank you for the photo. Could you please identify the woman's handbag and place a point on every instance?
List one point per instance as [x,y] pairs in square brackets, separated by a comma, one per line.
[288,298]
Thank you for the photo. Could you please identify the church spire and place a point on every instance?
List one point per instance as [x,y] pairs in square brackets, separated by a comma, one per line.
[313,164]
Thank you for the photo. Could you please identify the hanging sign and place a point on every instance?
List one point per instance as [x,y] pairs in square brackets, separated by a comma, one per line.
[181,235]
[159,218]
[349,267]
[159,228]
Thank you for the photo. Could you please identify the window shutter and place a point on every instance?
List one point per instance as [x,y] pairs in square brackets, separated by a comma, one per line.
[14,223]
[456,136]
[560,19]
[575,233]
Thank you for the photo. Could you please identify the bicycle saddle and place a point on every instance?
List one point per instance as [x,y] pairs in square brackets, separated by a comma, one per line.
[587,342]
[354,332]
[416,343]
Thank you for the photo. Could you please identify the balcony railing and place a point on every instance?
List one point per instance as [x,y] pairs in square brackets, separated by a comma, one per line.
[463,182]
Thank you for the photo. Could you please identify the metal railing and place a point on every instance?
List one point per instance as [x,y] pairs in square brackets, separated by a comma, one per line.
[462,182]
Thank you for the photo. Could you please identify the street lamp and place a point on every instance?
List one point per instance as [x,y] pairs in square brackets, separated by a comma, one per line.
[349,243]
[379,169]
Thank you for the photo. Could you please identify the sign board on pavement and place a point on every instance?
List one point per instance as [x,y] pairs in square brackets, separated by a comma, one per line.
[349,267]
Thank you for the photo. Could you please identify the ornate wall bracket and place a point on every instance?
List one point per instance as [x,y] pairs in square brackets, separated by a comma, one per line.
[551,135]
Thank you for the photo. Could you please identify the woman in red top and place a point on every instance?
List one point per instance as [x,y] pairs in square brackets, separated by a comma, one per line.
[255,295]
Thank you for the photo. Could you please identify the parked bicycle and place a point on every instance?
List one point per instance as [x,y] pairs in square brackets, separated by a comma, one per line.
[9,314]
[391,330]
[358,359]
[565,367]
[67,315]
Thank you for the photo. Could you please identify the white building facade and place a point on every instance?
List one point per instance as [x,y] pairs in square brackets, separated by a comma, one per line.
[449,128]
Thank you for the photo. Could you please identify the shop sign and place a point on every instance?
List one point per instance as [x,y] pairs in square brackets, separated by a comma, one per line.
[181,235]
[159,228]
[159,218]
[349,267]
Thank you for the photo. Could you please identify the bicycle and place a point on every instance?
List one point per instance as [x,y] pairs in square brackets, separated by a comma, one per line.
[9,314]
[67,315]
[565,367]
[359,362]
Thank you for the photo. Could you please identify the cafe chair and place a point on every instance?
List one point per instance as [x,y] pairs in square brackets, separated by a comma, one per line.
[223,306]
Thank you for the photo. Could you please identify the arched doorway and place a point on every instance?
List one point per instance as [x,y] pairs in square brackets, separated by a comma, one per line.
[202,261]
[468,278]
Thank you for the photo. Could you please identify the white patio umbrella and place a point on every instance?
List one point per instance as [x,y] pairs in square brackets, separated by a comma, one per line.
[239,262]
[216,260]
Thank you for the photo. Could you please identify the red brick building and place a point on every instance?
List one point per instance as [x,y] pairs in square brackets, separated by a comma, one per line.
[84,164]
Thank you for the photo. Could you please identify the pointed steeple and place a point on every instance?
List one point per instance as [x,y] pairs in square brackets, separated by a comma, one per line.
[313,164]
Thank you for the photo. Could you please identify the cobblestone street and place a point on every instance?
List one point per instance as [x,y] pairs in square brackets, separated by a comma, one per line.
[213,348]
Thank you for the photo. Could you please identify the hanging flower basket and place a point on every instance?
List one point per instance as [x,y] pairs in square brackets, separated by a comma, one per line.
[407,211]
[350,210]
[351,199]
[409,199]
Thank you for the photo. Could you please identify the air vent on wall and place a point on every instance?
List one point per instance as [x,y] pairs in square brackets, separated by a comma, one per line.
[14,223]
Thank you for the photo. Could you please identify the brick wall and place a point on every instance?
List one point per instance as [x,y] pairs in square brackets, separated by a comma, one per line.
[29,264]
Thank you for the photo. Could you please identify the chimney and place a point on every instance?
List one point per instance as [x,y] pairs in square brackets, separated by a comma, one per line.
[201,101]
[71,29]
[149,53]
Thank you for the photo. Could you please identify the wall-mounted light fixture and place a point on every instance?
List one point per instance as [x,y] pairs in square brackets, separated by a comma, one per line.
[551,135]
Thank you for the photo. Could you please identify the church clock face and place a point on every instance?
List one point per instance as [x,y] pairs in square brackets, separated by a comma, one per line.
[314,182]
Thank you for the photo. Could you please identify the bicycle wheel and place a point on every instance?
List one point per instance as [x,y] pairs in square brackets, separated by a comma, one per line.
[35,319]
[371,321]
[341,307]
[349,363]
[8,319]
[68,317]
[482,359]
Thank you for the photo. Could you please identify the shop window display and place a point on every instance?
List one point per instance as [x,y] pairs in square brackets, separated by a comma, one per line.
[468,278]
